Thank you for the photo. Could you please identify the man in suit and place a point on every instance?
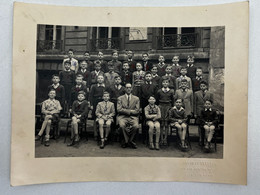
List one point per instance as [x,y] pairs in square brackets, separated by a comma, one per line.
[128,108]
[199,100]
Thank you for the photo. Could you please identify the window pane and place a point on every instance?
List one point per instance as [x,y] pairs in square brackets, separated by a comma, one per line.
[187,30]
[170,31]
[115,32]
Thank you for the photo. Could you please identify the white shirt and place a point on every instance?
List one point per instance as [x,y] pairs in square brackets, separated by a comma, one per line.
[55,86]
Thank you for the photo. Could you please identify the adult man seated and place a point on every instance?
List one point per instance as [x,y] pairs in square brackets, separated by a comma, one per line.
[128,108]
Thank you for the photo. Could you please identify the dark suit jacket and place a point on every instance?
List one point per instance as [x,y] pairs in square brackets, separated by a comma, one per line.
[60,93]
[147,66]
[208,116]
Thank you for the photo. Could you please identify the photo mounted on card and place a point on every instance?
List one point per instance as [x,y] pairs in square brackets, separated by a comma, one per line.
[151,98]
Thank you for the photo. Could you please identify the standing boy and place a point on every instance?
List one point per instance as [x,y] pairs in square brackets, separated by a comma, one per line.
[197,80]
[126,75]
[183,76]
[147,65]
[77,88]
[138,79]
[85,73]
[130,61]
[90,64]
[117,64]
[74,63]
[191,70]
[110,75]
[103,63]
[168,75]
[95,73]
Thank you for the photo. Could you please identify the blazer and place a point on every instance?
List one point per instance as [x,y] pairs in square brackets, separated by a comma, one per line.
[103,109]
[60,92]
[199,101]
[124,111]
[187,97]
[80,108]
[147,66]
[208,116]
[175,115]
[86,76]
[115,93]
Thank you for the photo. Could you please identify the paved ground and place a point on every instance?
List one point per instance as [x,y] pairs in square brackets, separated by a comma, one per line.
[90,148]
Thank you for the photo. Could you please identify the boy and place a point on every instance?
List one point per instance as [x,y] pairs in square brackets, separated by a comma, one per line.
[79,87]
[79,114]
[90,64]
[117,64]
[196,81]
[130,61]
[95,96]
[110,76]
[105,113]
[191,70]
[153,115]
[208,118]
[138,79]
[199,100]
[59,89]
[95,73]
[176,66]
[161,66]
[183,76]
[126,75]
[74,63]
[169,76]
[103,63]
[51,109]
[187,95]
[147,65]
[116,90]
[155,78]
[85,73]
[67,79]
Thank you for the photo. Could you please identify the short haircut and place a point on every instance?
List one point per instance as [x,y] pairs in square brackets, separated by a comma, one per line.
[168,66]
[145,54]
[71,50]
[165,79]
[180,99]
[86,52]
[118,76]
[139,63]
[204,82]
[148,72]
[176,57]
[115,51]
[125,62]
[191,57]
[154,66]
[83,61]
[209,100]
[97,62]
[161,55]
[99,52]
[184,80]
[52,90]
[183,67]
[152,97]
[82,92]
[128,84]
[67,62]
[55,75]
[79,75]
[106,92]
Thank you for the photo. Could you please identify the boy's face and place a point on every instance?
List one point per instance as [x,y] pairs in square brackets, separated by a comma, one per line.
[115,56]
[154,70]
[207,104]
[110,68]
[100,79]
[139,66]
[198,72]
[183,71]
[128,88]
[52,94]
[81,97]
[152,100]
[190,60]
[97,67]
[70,54]
[125,66]
[165,83]
[118,80]
[203,87]
[100,55]
[106,97]
[86,56]
[67,66]
[148,77]
[168,70]
[79,80]
[183,84]
[130,54]
[161,59]
[178,103]
[145,57]
[83,65]
[55,79]
[175,60]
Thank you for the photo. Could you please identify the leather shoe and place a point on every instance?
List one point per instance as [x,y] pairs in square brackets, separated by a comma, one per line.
[133,145]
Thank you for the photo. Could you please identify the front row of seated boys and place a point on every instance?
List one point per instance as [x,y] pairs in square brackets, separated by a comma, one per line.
[128,111]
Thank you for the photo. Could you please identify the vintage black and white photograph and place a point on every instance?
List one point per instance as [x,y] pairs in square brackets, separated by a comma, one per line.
[106,91]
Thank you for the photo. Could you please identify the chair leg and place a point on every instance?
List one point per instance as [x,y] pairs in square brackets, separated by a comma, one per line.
[188,137]
[66,133]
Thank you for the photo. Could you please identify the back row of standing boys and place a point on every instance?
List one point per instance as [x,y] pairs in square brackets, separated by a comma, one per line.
[172,86]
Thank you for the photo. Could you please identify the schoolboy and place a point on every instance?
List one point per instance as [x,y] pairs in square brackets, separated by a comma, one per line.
[196,81]
[161,66]
[191,69]
[79,113]
[100,56]
[155,77]
[147,65]
[187,95]
[168,75]
[117,64]
[74,63]
[85,73]
[175,66]
[130,61]
[183,76]
[138,79]
[95,73]
[90,64]
[110,75]
[126,75]
[105,113]
[51,109]
[77,88]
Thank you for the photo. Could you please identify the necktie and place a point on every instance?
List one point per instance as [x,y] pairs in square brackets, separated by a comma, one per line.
[204,93]
[106,107]
[128,101]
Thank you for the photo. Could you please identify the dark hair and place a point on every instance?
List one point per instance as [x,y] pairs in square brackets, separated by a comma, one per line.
[148,72]
[145,54]
[83,61]
[152,96]
[71,50]
[209,101]
[168,66]
[125,62]
[184,80]
[55,75]
[165,79]
[154,65]
[118,76]
[179,99]
[183,67]
[86,52]
[52,90]
[115,51]
[204,82]
[106,92]
[79,75]
[82,92]
[97,62]
[67,62]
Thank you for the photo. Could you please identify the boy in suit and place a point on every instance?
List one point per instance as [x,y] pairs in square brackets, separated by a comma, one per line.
[74,63]
[161,66]
[110,76]
[128,108]
[147,65]
[196,81]
[183,76]
[191,70]
[126,75]
[90,64]
[77,88]
[105,113]
[169,76]
[117,64]
[155,77]
[199,100]
[130,61]
[103,63]
[208,119]
[85,73]
[95,73]
[187,96]
[138,79]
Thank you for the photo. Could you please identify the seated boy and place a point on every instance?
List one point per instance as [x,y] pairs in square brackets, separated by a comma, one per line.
[51,109]
[105,112]
[79,114]
[208,118]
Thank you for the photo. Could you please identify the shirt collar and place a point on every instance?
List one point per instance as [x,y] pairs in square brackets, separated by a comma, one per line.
[53,100]
[97,72]
[78,86]
[148,82]
[184,90]
[183,77]
[67,70]
[168,75]
[177,108]
[101,85]
[80,102]
[83,70]
[166,89]
[190,65]
[130,60]
[118,86]
[198,77]
[128,95]
[154,75]
[210,109]
[175,64]
[55,86]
